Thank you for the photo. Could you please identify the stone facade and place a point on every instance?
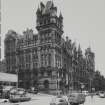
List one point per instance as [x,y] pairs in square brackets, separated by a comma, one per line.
[46,60]
[3,66]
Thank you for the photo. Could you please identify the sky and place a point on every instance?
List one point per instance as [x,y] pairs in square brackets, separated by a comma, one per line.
[84,22]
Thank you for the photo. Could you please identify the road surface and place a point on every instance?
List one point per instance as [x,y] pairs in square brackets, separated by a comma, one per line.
[44,99]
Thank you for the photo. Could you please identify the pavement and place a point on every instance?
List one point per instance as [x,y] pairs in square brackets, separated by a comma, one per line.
[95,100]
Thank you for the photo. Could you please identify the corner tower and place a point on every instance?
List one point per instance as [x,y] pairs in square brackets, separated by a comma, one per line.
[49,26]
[50,29]
[48,22]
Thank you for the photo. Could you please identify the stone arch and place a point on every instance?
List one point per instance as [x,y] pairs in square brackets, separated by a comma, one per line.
[46,84]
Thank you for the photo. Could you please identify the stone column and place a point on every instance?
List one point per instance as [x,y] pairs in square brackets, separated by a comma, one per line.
[39,57]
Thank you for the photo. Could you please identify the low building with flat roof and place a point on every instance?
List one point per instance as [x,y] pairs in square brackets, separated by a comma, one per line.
[7,79]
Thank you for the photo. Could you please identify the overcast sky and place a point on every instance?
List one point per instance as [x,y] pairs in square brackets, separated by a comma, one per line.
[84,22]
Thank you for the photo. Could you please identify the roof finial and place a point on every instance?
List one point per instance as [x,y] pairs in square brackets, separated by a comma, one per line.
[52,3]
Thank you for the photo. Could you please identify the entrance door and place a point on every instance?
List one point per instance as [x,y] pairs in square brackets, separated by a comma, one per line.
[46,84]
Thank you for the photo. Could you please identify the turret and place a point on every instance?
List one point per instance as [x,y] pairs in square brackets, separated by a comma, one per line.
[79,51]
[47,15]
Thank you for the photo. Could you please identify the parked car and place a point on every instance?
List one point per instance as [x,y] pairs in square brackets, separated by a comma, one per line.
[76,98]
[18,95]
[102,94]
[6,91]
[59,100]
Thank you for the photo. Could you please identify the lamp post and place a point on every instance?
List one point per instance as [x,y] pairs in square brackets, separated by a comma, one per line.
[17,77]
[90,80]
[17,71]
[57,79]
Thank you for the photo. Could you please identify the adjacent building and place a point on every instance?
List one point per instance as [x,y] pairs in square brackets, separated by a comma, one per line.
[46,60]
[3,66]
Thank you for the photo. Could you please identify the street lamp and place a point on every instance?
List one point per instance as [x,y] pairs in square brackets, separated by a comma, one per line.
[17,70]
[90,80]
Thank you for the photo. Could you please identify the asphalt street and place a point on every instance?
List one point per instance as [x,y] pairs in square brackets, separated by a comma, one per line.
[44,99]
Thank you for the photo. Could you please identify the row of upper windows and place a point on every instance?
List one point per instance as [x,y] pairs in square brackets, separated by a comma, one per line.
[28,66]
[33,38]
[27,43]
[45,60]
[48,21]
[42,39]
[35,51]
[28,58]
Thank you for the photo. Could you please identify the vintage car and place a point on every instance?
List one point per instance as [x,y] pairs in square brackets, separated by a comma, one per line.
[76,98]
[18,95]
[102,94]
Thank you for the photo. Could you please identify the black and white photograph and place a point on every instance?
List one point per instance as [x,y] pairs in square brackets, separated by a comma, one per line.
[52,52]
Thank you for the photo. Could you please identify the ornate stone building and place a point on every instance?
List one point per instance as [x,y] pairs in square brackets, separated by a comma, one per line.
[46,60]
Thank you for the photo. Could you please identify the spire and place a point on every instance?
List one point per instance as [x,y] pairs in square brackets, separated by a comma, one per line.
[52,3]
[60,16]
[42,6]
[79,48]
[38,10]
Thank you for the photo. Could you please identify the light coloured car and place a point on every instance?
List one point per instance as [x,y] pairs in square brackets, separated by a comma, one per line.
[76,98]
[4,100]
[59,100]
[102,94]
[18,95]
